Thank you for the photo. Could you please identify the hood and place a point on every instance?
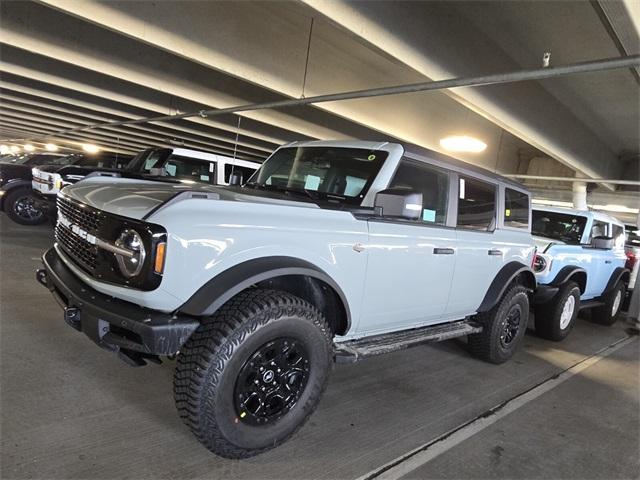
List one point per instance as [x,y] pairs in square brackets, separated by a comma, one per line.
[135,198]
[543,243]
[10,172]
[50,168]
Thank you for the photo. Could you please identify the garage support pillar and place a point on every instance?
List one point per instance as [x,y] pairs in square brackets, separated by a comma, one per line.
[580,195]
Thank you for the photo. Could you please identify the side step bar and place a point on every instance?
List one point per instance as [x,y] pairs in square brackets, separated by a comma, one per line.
[352,351]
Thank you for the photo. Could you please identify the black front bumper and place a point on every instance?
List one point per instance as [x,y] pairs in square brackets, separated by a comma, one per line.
[544,294]
[46,203]
[132,331]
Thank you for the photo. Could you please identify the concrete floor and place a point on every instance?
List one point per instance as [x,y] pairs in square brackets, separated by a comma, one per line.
[71,410]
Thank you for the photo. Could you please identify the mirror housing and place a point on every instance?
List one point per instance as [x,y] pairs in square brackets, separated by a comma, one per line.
[235,179]
[602,243]
[399,202]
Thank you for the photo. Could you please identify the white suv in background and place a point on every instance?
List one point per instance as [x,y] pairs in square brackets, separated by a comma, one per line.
[184,165]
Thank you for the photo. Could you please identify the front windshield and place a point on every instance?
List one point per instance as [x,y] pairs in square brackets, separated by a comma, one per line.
[335,174]
[559,226]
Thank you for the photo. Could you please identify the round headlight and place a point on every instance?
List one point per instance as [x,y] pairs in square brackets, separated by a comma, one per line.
[131,240]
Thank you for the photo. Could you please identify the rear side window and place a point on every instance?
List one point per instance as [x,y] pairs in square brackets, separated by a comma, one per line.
[476,204]
[432,183]
[599,229]
[516,209]
[617,234]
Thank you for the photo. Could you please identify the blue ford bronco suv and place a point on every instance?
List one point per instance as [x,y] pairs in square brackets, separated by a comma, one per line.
[331,251]
[580,263]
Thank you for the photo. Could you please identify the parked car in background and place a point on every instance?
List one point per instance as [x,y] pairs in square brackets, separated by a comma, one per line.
[340,250]
[179,163]
[183,163]
[580,264]
[48,180]
[16,195]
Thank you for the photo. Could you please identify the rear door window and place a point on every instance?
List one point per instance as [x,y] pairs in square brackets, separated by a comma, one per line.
[476,204]
[184,168]
[432,182]
[516,209]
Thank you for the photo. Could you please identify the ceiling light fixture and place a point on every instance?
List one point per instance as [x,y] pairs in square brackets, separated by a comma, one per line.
[4,149]
[15,149]
[29,148]
[462,143]
[90,148]
[51,147]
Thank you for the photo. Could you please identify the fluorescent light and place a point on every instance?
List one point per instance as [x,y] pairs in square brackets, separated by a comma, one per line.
[4,149]
[462,143]
[29,148]
[15,149]
[90,148]
[52,147]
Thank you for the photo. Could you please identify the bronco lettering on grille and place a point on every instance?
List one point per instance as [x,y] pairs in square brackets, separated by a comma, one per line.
[77,230]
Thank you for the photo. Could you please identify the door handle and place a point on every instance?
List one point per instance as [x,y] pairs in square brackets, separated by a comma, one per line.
[607,261]
[495,252]
[443,251]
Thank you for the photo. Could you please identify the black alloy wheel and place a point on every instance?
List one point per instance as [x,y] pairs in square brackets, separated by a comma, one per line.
[271,381]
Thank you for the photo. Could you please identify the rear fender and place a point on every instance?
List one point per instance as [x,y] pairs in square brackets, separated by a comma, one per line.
[505,277]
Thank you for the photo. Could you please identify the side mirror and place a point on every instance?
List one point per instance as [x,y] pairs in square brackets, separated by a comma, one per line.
[602,243]
[399,202]
[235,179]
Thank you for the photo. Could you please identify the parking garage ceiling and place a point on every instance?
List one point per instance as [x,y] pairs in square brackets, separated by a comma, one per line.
[66,64]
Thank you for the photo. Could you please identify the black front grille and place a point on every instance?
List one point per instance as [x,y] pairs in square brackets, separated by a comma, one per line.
[78,222]
[81,251]
[84,217]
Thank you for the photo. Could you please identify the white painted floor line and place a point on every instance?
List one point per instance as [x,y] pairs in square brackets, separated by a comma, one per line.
[410,461]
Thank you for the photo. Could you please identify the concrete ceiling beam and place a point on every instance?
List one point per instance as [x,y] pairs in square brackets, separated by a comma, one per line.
[62,103]
[272,53]
[120,132]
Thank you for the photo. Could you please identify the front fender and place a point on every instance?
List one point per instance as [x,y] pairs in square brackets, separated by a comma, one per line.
[220,289]
[571,272]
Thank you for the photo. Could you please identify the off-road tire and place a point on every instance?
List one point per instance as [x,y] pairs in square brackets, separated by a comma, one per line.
[488,344]
[548,318]
[208,366]
[10,200]
[605,315]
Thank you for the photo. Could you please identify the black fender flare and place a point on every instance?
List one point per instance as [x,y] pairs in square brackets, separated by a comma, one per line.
[12,185]
[569,272]
[618,274]
[224,286]
[501,281]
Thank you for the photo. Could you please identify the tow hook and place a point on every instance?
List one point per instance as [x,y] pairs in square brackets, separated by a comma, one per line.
[41,276]
[72,317]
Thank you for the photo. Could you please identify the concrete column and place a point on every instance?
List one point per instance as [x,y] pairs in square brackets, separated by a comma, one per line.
[580,195]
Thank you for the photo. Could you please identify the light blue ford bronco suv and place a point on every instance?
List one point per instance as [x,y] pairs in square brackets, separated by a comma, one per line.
[331,251]
[580,263]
